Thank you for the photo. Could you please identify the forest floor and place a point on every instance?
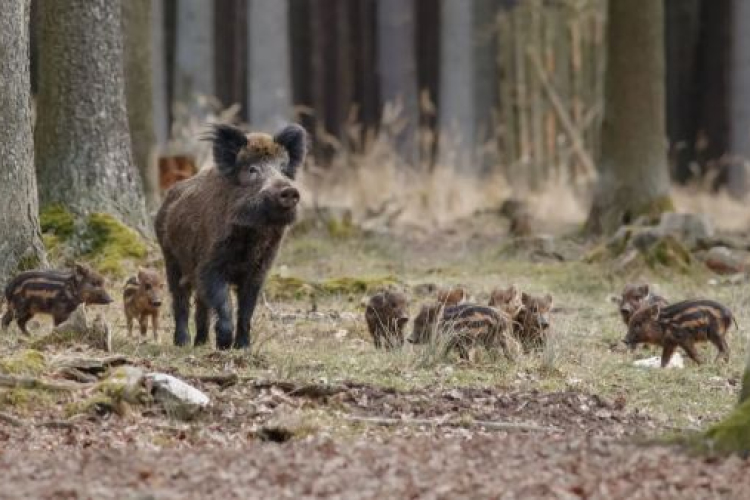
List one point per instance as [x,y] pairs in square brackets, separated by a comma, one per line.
[316,411]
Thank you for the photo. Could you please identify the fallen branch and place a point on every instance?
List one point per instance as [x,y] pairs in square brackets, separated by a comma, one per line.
[51,424]
[494,426]
[11,420]
[222,379]
[35,383]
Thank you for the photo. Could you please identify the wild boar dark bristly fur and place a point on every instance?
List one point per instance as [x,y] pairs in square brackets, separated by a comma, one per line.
[636,295]
[386,315]
[223,227]
[682,324]
[52,292]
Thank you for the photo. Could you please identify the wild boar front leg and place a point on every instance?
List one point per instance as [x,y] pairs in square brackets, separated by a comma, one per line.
[216,295]
[247,298]
[201,322]
[666,353]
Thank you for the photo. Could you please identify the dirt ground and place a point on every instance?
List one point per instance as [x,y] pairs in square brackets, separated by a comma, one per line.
[314,411]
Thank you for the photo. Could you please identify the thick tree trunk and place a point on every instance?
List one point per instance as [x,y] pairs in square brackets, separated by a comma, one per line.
[137,26]
[194,53]
[20,240]
[83,155]
[269,64]
[457,117]
[397,69]
[739,91]
[633,177]
[230,59]
[160,95]
[682,35]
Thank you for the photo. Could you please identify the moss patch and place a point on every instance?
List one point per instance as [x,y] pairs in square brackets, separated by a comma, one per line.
[27,362]
[731,435]
[112,242]
[287,287]
[56,221]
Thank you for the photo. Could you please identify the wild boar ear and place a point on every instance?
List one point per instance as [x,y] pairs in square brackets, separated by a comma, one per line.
[294,139]
[525,298]
[227,142]
[79,272]
[548,301]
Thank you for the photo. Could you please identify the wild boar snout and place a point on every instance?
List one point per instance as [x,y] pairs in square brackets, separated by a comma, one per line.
[288,197]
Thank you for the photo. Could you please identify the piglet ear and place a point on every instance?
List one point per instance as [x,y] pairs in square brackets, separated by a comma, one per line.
[294,139]
[227,142]
[655,311]
[645,289]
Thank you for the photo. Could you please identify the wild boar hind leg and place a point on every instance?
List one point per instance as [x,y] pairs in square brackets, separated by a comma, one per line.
[180,301]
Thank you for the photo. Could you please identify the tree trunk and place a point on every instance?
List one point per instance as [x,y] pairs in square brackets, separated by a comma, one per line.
[194,53]
[230,60]
[633,178]
[269,64]
[682,25]
[83,155]
[456,114]
[160,97]
[398,75]
[20,240]
[137,26]
[739,92]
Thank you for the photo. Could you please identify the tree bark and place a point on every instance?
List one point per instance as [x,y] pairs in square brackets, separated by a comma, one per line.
[269,64]
[230,59]
[456,114]
[397,70]
[137,26]
[160,98]
[20,240]
[633,178]
[83,155]
[194,53]
[739,92]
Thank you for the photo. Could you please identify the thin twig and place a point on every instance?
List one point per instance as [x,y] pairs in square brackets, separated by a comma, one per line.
[494,426]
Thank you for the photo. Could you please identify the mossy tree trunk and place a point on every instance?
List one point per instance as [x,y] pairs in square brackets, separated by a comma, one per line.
[137,29]
[20,240]
[83,155]
[634,178]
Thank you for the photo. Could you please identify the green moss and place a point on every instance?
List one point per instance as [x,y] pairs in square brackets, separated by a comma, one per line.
[278,287]
[731,435]
[26,362]
[94,404]
[110,242]
[669,252]
[56,220]
[346,285]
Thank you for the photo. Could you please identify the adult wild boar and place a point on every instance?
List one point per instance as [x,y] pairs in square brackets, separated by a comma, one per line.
[222,228]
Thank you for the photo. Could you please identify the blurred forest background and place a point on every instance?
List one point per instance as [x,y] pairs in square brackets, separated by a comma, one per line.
[449,106]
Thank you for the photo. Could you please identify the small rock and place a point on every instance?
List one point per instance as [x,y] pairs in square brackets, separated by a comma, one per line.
[722,260]
[655,362]
[687,227]
[178,397]
[341,334]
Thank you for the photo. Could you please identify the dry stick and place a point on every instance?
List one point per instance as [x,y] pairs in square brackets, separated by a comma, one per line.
[35,383]
[494,426]
[562,114]
[11,420]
